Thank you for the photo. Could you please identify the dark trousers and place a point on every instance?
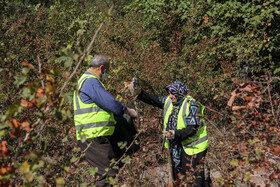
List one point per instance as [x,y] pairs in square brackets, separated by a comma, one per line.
[102,150]
[99,154]
[191,169]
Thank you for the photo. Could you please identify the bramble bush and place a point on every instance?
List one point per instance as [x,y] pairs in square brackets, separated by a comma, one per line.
[206,44]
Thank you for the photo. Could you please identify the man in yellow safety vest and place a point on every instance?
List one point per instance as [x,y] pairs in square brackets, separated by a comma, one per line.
[96,113]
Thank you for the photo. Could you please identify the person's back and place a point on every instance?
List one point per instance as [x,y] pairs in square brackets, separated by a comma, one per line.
[96,113]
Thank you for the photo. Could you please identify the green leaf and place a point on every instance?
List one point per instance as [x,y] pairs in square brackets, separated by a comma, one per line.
[81,31]
[60,181]
[3,132]
[39,165]
[258,153]
[93,170]
[247,176]
[122,144]
[68,96]
[26,93]
[73,159]
[66,59]
[277,70]
[65,139]
[234,162]
[4,125]
[127,160]
[25,70]
[20,79]
[77,149]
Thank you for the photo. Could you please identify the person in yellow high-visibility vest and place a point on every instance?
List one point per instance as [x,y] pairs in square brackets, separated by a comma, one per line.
[96,113]
[187,133]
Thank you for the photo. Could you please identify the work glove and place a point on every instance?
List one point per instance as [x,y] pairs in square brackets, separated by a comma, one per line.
[169,134]
[131,112]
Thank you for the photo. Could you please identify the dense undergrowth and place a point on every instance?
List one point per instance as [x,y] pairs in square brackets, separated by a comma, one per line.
[227,52]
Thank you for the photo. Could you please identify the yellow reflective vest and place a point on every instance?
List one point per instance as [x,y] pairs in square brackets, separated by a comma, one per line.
[90,120]
[197,143]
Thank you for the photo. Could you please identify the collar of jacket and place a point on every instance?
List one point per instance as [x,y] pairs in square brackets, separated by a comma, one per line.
[93,73]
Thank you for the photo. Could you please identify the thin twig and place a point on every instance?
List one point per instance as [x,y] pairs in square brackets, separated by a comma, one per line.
[277,117]
[214,110]
[214,125]
[124,154]
[132,143]
[84,54]
[270,101]
[39,65]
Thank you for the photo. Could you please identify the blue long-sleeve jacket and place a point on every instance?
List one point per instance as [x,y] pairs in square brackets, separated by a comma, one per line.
[93,92]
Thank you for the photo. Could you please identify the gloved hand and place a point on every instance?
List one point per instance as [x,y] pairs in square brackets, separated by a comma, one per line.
[169,134]
[130,87]
[131,112]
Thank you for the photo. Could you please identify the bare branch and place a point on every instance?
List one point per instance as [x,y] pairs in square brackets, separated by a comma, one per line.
[84,54]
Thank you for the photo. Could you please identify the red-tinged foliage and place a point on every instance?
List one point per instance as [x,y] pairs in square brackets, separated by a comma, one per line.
[215,116]
[6,169]
[24,103]
[25,64]
[244,135]
[40,92]
[15,127]
[276,150]
[4,149]
[26,125]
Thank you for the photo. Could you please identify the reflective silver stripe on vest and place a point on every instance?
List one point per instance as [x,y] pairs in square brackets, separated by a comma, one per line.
[87,110]
[82,80]
[77,102]
[191,144]
[167,106]
[93,125]
[185,107]
[76,98]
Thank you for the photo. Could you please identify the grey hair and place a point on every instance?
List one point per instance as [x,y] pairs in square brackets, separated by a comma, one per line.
[99,60]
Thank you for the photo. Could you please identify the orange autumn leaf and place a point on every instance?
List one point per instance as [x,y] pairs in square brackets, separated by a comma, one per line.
[24,103]
[3,171]
[276,150]
[40,92]
[14,123]
[26,126]
[25,64]
[215,116]
[4,148]
[248,98]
